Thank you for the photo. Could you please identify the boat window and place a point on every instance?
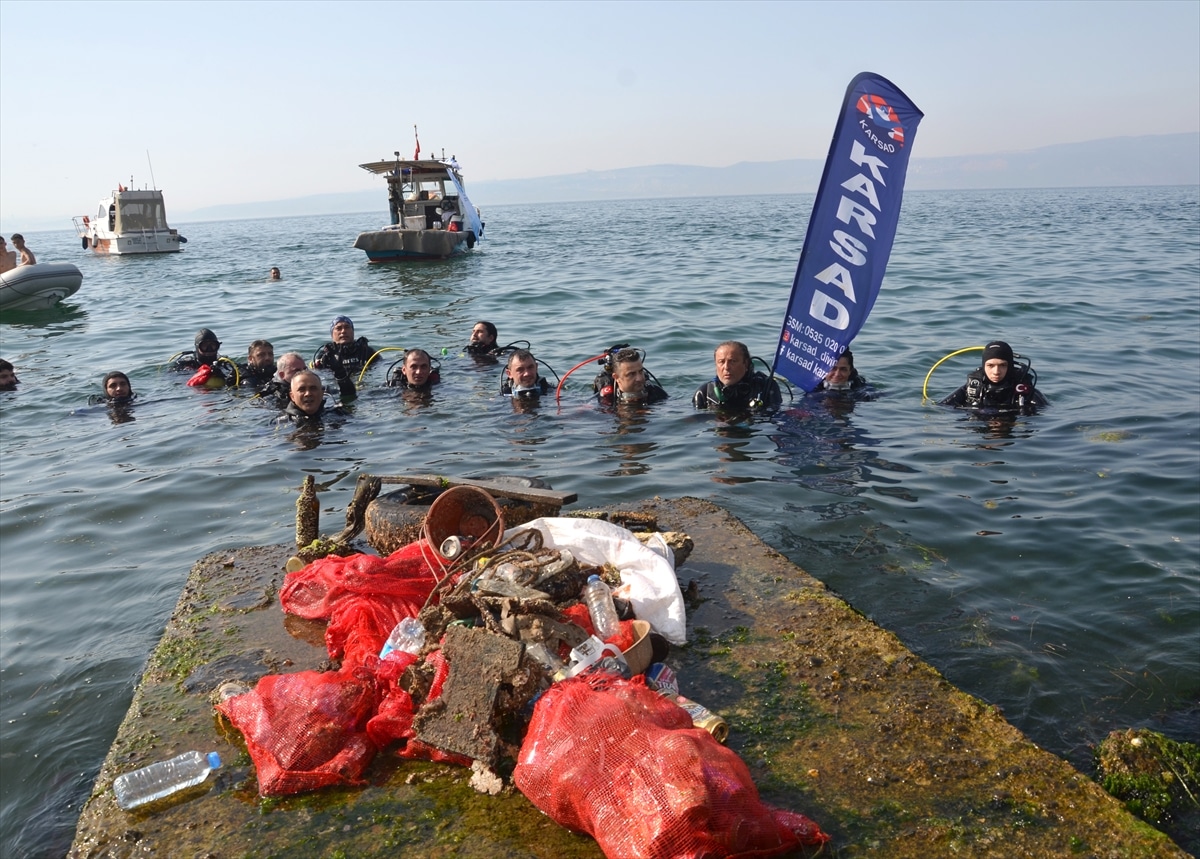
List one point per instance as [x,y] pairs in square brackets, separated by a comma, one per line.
[142,215]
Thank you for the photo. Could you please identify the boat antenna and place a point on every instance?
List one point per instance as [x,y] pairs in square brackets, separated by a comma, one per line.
[152,182]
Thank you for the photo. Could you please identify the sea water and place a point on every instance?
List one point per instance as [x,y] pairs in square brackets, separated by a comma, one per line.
[1047,565]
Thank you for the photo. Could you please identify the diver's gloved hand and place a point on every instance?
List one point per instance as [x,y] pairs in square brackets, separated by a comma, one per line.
[334,363]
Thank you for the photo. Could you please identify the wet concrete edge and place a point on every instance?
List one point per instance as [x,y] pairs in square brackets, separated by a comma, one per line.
[834,716]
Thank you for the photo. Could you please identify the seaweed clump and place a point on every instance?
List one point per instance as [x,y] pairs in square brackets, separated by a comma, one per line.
[1157,778]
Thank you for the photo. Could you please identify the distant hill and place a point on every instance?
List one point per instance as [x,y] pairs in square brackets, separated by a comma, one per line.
[1162,159]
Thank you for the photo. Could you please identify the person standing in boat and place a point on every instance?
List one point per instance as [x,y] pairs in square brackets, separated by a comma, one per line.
[999,384]
[416,373]
[625,379]
[259,366]
[8,376]
[352,354]
[737,387]
[8,259]
[27,257]
[205,362]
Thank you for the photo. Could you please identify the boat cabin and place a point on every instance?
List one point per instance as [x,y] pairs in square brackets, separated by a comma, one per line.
[422,195]
[133,211]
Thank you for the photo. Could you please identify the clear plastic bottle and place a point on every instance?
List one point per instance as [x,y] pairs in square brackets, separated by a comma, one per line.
[599,601]
[407,636]
[163,778]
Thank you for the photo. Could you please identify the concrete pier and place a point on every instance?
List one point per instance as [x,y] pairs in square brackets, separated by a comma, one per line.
[836,719]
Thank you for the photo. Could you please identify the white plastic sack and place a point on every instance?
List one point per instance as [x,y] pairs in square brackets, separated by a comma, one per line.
[647,579]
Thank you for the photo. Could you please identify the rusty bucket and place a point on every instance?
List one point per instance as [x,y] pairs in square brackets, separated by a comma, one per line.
[466,513]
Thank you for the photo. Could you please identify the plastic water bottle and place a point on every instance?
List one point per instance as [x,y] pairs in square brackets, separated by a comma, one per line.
[600,606]
[407,636]
[163,778]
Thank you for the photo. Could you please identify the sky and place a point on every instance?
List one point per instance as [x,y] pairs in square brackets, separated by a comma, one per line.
[233,102]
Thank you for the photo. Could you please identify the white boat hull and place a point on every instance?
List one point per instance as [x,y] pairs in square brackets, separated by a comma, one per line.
[148,242]
[129,222]
[37,287]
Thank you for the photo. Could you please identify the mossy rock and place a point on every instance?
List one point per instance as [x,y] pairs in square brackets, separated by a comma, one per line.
[1157,778]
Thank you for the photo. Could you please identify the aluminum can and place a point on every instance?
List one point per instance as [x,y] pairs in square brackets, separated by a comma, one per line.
[451,547]
[662,679]
[702,717]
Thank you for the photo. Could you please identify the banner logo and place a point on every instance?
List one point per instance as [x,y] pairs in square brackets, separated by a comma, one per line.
[851,230]
[882,115]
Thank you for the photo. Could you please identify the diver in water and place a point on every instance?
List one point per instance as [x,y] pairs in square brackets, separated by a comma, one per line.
[625,379]
[415,373]
[259,366]
[521,379]
[353,354]
[278,389]
[117,391]
[306,406]
[843,378]
[483,340]
[737,385]
[205,362]
[8,376]
[999,384]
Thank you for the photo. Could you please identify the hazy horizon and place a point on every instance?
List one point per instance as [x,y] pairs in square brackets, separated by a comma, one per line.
[223,103]
[1151,160]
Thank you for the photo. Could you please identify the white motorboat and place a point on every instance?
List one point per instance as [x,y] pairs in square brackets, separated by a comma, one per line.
[431,217]
[37,287]
[129,222]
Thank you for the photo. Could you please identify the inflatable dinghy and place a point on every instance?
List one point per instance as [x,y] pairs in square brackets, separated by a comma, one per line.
[37,287]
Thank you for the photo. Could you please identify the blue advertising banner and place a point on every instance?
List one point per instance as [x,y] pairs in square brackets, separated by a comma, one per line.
[851,230]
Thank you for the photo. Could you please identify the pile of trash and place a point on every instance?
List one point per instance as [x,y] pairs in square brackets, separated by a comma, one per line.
[472,646]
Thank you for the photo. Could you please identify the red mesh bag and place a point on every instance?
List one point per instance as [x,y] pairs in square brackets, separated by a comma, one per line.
[360,625]
[314,591]
[306,730]
[362,596]
[611,758]
[393,718]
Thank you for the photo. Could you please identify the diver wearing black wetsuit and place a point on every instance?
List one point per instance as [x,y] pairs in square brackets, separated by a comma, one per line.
[483,341]
[626,380]
[415,373]
[353,354]
[207,353]
[1010,388]
[845,380]
[737,385]
[259,367]
[521,379]
[306,405]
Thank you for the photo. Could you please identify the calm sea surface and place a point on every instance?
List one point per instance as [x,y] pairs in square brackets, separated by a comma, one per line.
[1049,567]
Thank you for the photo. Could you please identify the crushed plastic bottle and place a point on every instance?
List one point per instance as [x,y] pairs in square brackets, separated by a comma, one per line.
[164,778]
[407,636]
[544,656]
[599,601]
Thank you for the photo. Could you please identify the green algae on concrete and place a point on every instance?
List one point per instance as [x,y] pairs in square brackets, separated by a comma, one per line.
[836,719]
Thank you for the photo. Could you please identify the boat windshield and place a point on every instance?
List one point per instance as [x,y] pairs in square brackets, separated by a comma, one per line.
[141,215]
